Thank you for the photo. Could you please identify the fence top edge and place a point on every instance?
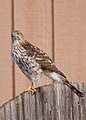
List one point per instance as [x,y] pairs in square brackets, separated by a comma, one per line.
[44,86]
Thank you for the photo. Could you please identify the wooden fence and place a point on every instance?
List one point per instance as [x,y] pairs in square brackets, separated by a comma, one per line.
[51,102]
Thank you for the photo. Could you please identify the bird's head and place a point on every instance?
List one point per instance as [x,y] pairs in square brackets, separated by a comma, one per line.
[17,36]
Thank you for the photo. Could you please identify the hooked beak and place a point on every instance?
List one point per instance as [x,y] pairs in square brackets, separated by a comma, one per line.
[13,34]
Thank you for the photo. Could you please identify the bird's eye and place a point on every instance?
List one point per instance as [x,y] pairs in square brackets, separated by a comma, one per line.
[17,33]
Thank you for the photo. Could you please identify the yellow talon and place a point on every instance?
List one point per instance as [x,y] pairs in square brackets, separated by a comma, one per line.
[31,89]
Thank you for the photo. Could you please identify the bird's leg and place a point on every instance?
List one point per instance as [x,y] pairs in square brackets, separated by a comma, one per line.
[31,89]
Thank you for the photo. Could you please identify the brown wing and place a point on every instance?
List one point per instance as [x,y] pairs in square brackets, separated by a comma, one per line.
[41,57]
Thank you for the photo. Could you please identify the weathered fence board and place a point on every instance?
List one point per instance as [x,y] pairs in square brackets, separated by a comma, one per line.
[51,102]
[2,114]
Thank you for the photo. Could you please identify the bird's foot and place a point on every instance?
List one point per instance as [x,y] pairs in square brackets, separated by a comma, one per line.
[31,89]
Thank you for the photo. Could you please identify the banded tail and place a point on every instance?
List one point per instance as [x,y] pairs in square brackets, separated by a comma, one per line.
[74,89]
[61,78]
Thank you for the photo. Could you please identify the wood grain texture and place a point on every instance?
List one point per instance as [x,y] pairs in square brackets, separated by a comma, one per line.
[70,38]
[14,109]
[5,48]
[76,107]
[20,108]
[34,19]
[2,114]
[26,106]
[7,111]
[68,104]
[51,102]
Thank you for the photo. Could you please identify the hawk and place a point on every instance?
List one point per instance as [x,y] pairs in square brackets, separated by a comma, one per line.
[33,62]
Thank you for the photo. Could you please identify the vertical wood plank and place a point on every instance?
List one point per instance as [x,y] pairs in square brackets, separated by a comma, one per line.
[8,111]
[70,38]
[47,104]
[5,48]
[14,109]
[59,102]
[20,108]
[34,19]
[76,106]
[50,102]
[39,104]
[68,110]
[32,107]
[82,102]
[2,114]
[56,101]
[26,106]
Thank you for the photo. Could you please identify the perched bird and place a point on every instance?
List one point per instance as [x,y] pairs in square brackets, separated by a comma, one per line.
[33,62]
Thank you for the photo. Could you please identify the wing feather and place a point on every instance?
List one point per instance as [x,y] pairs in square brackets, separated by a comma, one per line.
[41,57]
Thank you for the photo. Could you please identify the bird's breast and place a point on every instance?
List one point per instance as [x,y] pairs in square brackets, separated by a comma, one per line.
[27,64]
[15,55]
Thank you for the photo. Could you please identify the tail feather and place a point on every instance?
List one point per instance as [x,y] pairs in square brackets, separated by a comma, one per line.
[74,89]
[61,78]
